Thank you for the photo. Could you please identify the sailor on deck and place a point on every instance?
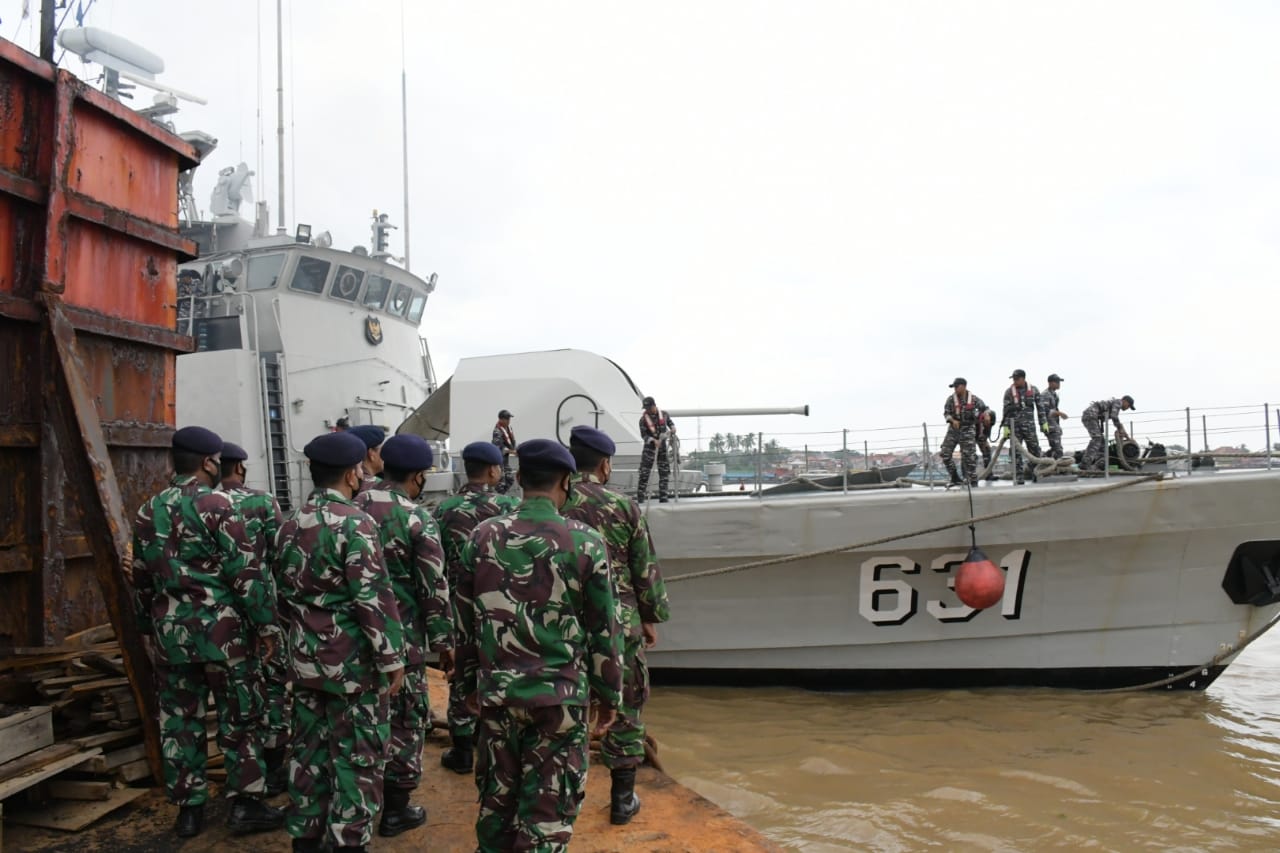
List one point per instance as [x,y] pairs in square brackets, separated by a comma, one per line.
[1093,419]
[656,428]
[1021,404]
[962,411]
[504,438]
[1051,407]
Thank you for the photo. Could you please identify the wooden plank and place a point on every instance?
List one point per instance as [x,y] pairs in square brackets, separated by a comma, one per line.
[78,789]
[90,636]
[104,664]
[38,774]
[25,732]
[35,759]
[124,756]
[97,764]
[108,738]
[75,816]
[136,771]
[94,686]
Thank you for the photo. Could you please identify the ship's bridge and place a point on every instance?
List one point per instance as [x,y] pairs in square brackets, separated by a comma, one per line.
[289,338]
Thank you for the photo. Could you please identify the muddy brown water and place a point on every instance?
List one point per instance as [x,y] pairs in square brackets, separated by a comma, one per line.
[990,769]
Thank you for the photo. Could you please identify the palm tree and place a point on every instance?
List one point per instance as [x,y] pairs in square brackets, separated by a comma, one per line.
[717,443]
[748,442]
[733,442]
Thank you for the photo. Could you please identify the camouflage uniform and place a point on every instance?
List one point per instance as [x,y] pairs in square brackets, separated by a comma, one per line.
[1021,407]
[982,437]
[655,432]
[202,594]
[458,516]
[261,515]
[967,411]
[369,482]
[1050,403]
[642,597]
[504,438]
[1093,418]
[415,562]
[344,633]
[537,626]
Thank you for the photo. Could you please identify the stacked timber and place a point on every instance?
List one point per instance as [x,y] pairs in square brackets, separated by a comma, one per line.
[71,739]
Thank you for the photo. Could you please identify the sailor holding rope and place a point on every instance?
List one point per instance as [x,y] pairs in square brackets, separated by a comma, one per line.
[1021,405]
[656,429]
[1093,418]
[962,411]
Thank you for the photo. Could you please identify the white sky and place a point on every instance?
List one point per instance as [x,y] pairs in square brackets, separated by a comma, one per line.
[772,203]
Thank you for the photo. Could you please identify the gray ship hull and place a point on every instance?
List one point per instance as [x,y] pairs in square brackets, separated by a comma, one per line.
[1106,590]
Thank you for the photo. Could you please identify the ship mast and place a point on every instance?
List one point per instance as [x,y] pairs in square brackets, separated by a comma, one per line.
[280,228]
[404,131]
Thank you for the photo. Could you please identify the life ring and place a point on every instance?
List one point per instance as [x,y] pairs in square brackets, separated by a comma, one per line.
[347,285]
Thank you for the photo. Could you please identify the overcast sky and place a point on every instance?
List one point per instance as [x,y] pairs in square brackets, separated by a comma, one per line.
[772,203]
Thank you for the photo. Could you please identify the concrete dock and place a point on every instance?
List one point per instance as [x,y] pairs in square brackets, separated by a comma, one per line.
[672,818]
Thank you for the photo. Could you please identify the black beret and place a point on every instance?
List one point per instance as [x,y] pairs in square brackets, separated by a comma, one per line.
[335,449]
[407,453]
[194,439]
[232,452]
[592,438]
[545,453]
[371,435]
[482,451]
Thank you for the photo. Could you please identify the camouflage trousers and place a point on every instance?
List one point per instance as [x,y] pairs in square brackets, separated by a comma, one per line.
[1025,429]
[966,437]
[647,456]
[508,479]
[1055,441]
[1095,454]
[983,440]
[182,698]
[275,676]
[462,723]
[623,743]
[410,720]
[531,771]
[335,774]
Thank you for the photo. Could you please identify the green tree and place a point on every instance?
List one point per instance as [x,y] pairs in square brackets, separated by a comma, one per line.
[717,443]
[748,442]
[732,440]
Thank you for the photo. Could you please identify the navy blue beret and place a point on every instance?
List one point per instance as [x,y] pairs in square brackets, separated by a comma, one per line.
[545,453]
[482,451]
[371,435]
[592,438]
[232,452]
[194,439]
[335,449]
[407,453]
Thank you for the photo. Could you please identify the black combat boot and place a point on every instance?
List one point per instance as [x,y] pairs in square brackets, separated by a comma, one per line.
[397,815]
[277,770]
[955,477]
[190,821]
[460,758]
[249,814]
[311,845]
[623,802]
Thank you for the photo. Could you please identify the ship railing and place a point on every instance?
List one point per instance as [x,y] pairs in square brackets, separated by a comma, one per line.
[1187,441]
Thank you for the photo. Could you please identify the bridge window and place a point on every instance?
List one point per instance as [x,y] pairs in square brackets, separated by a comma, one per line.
[264,271]
[400,300]
[376,293]
[310,275]
[346,284]
[416,306]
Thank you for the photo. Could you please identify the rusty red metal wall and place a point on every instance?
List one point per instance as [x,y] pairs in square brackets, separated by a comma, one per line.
[88,255]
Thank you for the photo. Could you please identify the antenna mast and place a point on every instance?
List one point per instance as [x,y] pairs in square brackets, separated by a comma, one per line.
[280,107]
[404,129]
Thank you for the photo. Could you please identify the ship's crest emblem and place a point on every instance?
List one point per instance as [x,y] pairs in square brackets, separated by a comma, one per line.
[373,330]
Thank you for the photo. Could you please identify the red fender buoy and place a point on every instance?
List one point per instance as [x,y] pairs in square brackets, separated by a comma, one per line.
[979,582]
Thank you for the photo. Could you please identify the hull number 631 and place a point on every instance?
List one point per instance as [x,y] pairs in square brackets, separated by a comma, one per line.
[885,597]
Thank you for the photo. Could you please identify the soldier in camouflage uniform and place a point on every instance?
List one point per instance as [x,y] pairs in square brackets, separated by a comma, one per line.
[261,515]
[537,632]
[346,653]
[1021,405]
[1051,406]
[415,561]
[642,602]
[208,611]
[962,411]
[458,516]
[656,428]
[504,438]
[1093,419]
[372,436]
[982,436]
